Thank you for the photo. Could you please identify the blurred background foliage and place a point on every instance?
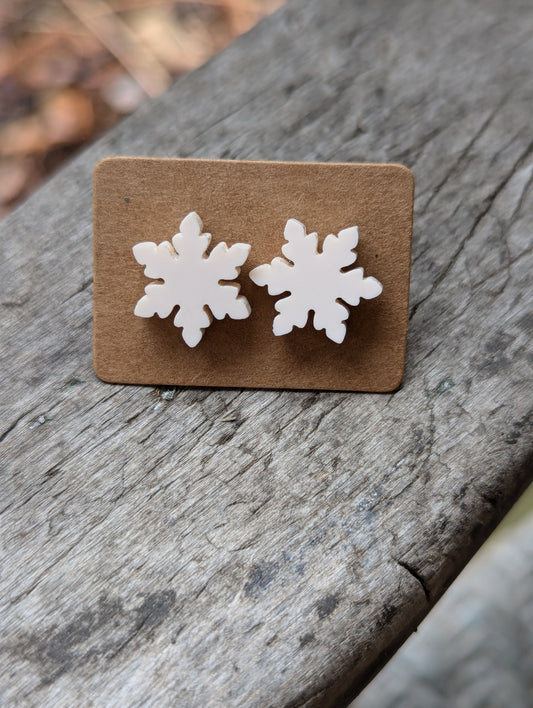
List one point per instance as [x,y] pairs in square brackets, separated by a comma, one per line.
[70,69]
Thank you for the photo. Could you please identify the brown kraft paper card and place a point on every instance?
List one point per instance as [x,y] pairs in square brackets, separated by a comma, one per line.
[145,199]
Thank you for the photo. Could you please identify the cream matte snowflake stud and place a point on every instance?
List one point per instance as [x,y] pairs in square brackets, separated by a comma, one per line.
[315,280]
[192,279]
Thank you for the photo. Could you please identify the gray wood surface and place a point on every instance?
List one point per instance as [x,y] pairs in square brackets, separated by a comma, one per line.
[256,548]
[475,650]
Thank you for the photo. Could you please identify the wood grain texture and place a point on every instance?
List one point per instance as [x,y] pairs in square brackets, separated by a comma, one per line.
[476,647]
[262,548]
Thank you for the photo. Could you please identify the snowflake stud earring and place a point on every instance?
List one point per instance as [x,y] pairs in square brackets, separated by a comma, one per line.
[315,280]
[191,279]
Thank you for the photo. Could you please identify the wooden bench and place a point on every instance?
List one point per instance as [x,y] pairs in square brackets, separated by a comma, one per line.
[476,647]
[273,548]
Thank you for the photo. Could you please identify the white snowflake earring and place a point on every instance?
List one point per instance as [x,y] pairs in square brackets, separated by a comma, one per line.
[191,279]
[315,280]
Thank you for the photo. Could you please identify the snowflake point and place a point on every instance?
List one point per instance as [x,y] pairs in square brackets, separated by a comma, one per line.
[239,252]
[260,274]
[142,308]
[243,248]
[281,326]
[142,251]
[293,229]
[373,287]
[337,334]
[350,235]
[191,225]
[192,337]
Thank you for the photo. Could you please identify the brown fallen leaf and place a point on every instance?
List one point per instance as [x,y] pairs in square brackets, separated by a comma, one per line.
[63,118]
[14,176]
[56,67]
[23,136]
[68,117]
[177,47]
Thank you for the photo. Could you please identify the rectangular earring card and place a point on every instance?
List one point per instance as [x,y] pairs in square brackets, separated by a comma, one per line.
[251,274]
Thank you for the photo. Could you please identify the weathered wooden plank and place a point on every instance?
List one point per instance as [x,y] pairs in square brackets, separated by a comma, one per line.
[476,647]
[273,548]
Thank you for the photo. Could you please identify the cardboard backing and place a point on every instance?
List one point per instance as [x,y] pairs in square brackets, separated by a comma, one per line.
[145,199]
